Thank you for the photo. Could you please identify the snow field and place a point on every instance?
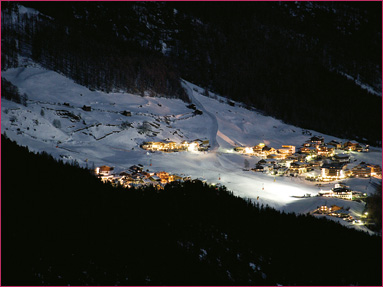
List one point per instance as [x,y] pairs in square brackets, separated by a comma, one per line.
[99,138]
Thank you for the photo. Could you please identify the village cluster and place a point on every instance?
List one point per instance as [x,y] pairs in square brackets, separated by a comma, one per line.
[315,160]
[335,211]
[170,146]
[343,192]
[136,176]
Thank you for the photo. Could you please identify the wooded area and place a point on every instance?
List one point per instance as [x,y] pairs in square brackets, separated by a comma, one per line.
[61,225]
[288,60]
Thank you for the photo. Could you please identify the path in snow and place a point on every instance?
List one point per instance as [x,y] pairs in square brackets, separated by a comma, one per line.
[214,128]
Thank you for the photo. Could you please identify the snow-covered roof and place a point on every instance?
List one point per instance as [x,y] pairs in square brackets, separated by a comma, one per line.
[333,165]
[155,177]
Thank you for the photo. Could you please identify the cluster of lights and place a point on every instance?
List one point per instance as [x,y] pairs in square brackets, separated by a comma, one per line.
[193,147]
[171,146]
[249,150]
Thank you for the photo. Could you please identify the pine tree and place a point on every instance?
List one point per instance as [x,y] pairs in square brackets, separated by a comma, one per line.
[57,123]
[246,164]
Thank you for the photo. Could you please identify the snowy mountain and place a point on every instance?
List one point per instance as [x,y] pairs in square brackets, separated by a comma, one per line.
[281,58]
[96,128]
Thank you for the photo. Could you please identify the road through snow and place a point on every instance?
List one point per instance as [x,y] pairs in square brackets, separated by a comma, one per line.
[214,127]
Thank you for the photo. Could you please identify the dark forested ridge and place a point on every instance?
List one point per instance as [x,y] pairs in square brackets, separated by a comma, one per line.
[11,92]
[303,62]
[90,54]
[61,225]
[287,59]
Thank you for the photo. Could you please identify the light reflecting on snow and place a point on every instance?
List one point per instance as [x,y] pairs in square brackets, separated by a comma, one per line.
[99,139]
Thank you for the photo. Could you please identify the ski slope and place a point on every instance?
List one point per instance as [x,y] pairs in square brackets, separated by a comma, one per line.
[104,136]
[213,125]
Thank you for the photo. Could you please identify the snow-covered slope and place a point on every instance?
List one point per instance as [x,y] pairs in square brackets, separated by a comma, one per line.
[55,122]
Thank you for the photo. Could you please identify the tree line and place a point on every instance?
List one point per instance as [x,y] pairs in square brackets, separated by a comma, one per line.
[290,67]
[257,53]
[80,53]
[12,93]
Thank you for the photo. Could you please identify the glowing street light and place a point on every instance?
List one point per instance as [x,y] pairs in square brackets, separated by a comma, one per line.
[192,147]
[248,150]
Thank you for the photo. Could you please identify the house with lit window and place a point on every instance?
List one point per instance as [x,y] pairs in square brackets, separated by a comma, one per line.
[298,167]
[316,140]
[268,150]
[325,151]
[324,209]
[258,148]
[338,192]
[239,149]
[354,146]
[341,158]
[376,171]
[136,168]
[286,162]
[308,150]
[258,168]
[244,150]
[297,157]
[362,148]
[103,170]
[342,193]
[286,150]
[148,145]
[335,144]
[333,171]
[342,213]
[174,147]
[282,171]
[362,170]
[351,146]
[315,163]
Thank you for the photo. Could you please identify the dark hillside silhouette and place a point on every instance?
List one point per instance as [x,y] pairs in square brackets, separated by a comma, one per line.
[61,225]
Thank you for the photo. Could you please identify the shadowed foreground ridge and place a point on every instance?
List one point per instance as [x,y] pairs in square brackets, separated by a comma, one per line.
[61,225]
